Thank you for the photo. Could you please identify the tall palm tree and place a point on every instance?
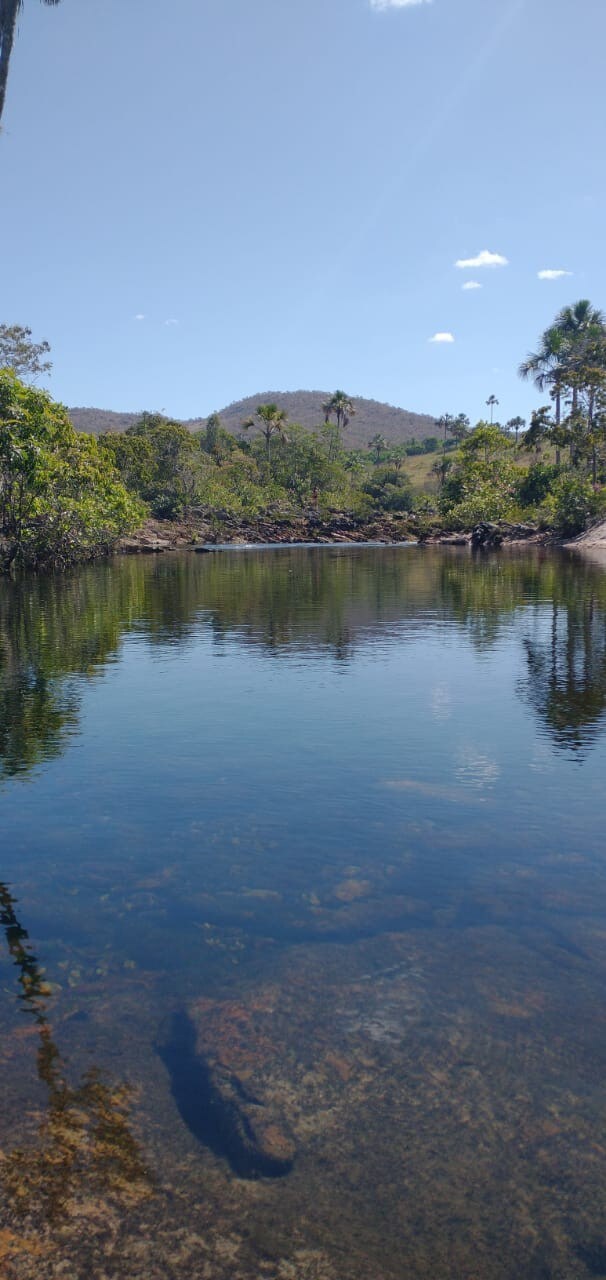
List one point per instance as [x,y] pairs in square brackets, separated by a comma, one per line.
[9,12]
[492,402]
[445,423]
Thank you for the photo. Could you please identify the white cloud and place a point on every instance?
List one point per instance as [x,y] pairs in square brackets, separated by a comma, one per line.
[396,4]
[140,316]
[442,337]
[472,284]
[484,259]
[171,322]
[553,274]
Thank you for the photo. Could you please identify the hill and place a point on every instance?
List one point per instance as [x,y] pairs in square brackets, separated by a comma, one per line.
[371,417]
[98,421]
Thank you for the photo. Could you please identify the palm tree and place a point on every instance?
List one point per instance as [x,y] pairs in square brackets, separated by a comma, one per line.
[445,423]
[492,402]
[564,348]
[377,445]
[9,12]
[517,425]
[545,366]
[341,406]
[271,422]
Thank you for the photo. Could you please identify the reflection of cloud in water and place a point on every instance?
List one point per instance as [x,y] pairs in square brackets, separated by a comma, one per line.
[476,769]
[441,703]
[433,790]
[542,758]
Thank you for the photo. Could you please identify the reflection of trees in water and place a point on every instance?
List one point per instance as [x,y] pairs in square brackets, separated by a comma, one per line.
[566,657]
[566,683]
[85,1143]
[326,601]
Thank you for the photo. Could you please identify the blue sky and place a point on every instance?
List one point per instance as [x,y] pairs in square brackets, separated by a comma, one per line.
[282,188]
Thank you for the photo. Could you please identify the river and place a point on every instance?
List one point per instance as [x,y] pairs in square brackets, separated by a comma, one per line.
[304,905]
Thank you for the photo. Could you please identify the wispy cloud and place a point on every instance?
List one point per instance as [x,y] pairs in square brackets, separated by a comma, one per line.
[396,4]
[553,274]
[140,316]
[442,337]
[484,259]
[471,284]
[169,322]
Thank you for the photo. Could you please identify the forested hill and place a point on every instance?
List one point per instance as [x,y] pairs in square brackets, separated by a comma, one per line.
[371,416]
[305,407]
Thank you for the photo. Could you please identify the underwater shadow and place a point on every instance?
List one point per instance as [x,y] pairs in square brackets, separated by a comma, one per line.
[214,1120]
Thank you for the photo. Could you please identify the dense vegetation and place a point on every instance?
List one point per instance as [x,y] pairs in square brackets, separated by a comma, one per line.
[65,496]
[60,499]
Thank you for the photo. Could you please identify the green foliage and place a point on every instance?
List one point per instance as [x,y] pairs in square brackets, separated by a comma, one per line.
[160,461]
[214,440]
[571,503]
[59,500]
[390,489]
[481,483]
[271,421]
[536,483]
[303,466]
[20,353]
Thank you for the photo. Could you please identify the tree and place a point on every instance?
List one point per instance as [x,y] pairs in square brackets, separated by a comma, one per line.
[20,353]
[540,428]
[341,407]
[271,422]
[397,456]
[215,440]
[441,468]
[60,501]
[546,365]
[481,483]
[9,12]
[516,425]
[459,429]
[377,447]
[571,361]
[163,459]
[303,467]
[444,423]
[492,403]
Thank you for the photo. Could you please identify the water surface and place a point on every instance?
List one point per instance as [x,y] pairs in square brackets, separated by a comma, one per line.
[304,903]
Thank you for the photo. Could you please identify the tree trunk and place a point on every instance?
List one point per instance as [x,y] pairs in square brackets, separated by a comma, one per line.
[8,23]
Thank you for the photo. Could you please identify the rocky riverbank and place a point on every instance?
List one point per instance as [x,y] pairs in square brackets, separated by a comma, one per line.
[167,535]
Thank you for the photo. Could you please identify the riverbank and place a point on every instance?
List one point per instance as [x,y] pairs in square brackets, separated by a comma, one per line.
[170,535]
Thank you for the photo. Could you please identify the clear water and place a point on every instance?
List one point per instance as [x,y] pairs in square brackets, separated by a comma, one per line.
[304,903]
